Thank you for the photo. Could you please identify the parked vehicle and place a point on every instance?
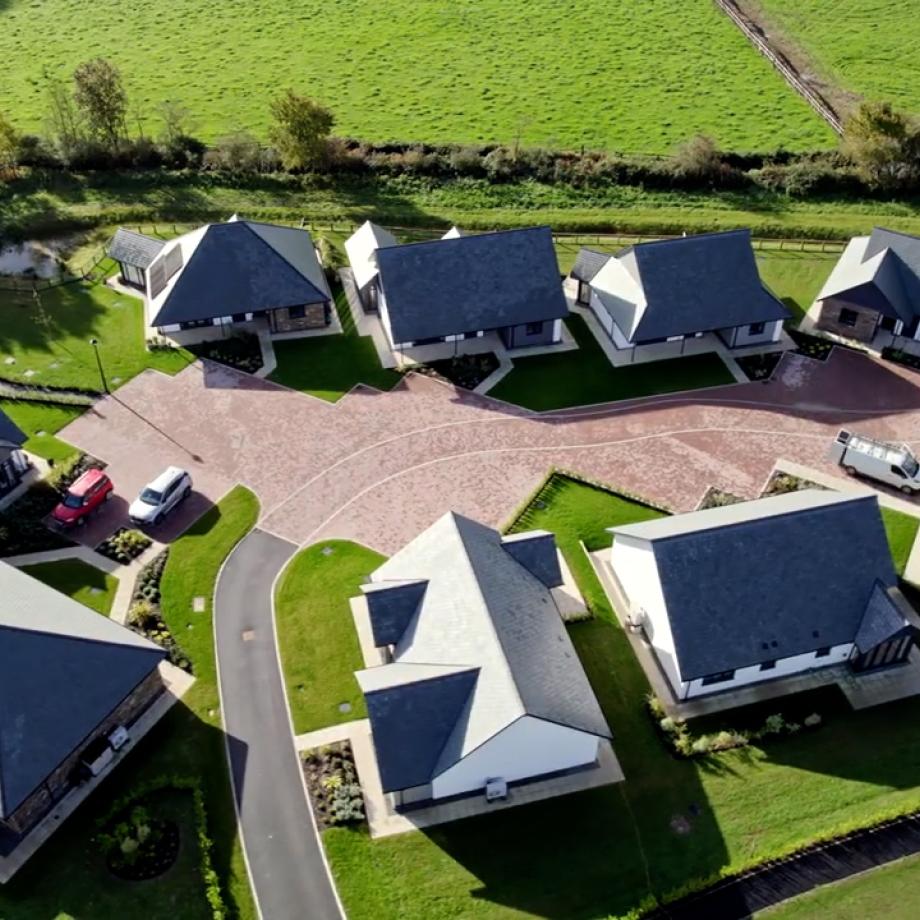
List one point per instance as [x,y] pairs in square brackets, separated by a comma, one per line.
[159,497]
[87,494]
[893,464]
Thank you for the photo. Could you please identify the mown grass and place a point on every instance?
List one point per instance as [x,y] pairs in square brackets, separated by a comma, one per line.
[585,376]
[872,50]
[889,892]
[67,877]
[621,843]
[901,529]
[78,580]
[328,366]
[490,71]
[316,634]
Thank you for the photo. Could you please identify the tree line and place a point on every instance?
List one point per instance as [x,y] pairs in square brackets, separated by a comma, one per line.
[87,128]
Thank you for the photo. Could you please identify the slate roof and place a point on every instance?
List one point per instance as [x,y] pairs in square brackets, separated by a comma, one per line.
[881,272]
[482,614]
[695,284]
[133,248]
[588,263]
[767,579]
[63,669]
[471,283]
[882,620]
[9,431]
[238,267]
[361,248]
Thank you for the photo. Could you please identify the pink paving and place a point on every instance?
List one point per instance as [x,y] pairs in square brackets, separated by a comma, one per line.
[378,467]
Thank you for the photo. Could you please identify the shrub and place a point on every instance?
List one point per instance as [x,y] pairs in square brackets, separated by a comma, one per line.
[773,725]
[668,725]
[655,706]
[812,721]
[701,745]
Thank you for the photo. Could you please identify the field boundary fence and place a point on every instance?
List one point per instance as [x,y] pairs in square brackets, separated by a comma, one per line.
[756,36]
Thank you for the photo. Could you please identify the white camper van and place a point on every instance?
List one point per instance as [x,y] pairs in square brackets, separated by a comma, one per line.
[893,464]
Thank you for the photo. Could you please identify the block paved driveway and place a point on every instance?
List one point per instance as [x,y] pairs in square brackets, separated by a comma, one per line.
[378,467]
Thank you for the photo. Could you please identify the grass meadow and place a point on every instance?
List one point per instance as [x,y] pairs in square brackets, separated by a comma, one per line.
[637,77]
[871,49]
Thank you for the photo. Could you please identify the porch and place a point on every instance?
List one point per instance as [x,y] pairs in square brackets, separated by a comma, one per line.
[883,337]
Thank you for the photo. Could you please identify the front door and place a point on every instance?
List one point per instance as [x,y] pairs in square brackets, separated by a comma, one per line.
[887,323]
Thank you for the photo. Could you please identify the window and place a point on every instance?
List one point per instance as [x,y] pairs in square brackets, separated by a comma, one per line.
[848,317]
[898,471]
[297,312]
[239,317]
[533,329]
[767,665]
[823,652]
[718,678]
[757,328]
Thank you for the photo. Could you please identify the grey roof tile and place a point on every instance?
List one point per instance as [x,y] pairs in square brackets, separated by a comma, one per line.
[391,607]
[536,551]
[63,669]
[769,579]
[881,621]
[588,263]
[471,283]
[133,248]
[9,431]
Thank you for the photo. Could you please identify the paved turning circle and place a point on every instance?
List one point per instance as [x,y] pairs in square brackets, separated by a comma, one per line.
[286,862]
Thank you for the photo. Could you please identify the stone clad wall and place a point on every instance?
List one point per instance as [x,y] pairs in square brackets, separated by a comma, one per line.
[58,782]
[866,323]
[315,317]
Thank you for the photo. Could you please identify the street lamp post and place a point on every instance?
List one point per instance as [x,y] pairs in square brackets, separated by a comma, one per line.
[105,383]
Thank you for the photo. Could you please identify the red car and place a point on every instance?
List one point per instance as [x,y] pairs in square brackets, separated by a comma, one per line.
[86,495]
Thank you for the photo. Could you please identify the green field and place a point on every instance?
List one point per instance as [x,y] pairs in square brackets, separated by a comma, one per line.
[871,49]
[627,76]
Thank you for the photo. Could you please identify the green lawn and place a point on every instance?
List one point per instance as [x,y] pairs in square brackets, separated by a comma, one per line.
[617,844]
[66,878]
[50,337]
[319,645]
[889,892]
[872,50]
[329,366]
[902,531]
[585,376]
[493,71]
[79,580]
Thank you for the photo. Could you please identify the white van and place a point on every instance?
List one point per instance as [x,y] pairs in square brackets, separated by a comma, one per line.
[893,464]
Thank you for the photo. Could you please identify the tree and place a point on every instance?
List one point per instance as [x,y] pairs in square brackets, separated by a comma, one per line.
[176,118]
[63,125]
[101,98]
[301,130]
[699,156]
[882,143]
[9,146]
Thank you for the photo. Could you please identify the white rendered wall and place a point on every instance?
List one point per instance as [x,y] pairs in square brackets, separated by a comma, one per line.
[557,330]
[603,317]
[742,337]
[528,747]
[784,667]
[637,571]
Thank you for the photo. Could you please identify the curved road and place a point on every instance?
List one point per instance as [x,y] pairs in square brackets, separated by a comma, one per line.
[286,863]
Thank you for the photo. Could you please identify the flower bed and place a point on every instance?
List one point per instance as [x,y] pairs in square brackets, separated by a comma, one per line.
[22,528]
[241,351]
[682,742]
[717,498]
[780,483]
[466,371]
[145,616]
[904,358]
[759,367]
[332,781]
[124,545]
[138,846]
[811,346]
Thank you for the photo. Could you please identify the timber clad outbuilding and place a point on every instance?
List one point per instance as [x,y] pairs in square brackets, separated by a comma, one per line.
[764,589]
[70,677]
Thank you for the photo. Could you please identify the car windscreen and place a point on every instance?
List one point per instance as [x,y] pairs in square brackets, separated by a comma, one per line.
[151,496]
[910,466]
[73,501]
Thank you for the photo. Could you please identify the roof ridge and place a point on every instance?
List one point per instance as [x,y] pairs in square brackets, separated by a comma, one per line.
[91,640]
[737,231]
[278,253]
[468,236]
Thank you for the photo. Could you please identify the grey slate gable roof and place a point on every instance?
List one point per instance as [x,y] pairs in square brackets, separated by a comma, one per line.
[471,283]
[767,579]
[63,669]
[882,620]
[907,250]
[701,283]
[588,263]
[135,249]
[239,267]
[483,611]
[9,431]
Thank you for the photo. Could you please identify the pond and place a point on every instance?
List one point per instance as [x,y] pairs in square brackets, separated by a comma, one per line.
[34,259]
